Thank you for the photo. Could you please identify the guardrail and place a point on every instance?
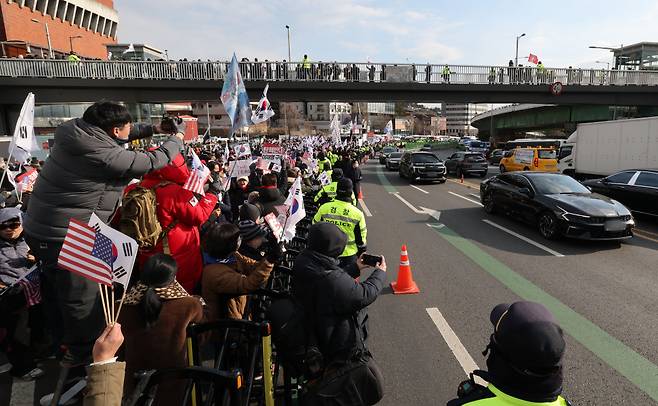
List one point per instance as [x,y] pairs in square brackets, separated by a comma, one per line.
[324,72]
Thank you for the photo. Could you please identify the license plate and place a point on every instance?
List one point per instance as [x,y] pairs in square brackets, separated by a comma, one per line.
[432,174]
[615,225]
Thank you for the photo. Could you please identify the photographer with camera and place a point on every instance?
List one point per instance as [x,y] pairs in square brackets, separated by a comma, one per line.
[228,275]
[86,172]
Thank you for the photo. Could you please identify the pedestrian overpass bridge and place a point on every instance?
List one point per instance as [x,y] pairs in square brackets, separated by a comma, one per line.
[60,81]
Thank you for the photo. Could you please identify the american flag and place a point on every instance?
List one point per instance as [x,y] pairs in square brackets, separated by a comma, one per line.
[31,284]
[87,253]
[199,174]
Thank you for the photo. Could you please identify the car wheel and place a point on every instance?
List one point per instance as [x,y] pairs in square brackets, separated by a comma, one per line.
[489,204]
[525,168]
[502,168]
[548,225]
[442,181]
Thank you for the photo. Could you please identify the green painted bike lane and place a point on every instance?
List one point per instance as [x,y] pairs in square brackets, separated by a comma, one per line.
[620,357]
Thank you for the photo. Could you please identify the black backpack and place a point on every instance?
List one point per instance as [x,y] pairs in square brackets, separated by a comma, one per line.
[294,338]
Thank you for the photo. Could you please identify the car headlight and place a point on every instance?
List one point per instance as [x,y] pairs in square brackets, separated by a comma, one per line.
[568,216]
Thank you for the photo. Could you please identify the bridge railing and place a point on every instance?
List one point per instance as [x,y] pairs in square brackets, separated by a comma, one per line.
[324,72]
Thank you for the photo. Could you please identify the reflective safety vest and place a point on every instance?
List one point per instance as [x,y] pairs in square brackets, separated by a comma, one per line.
[306,63]
[541,68]
[324,165]
[349,219]
[73,58]
[446,70]
[492,396]
[333,158]
[330,191]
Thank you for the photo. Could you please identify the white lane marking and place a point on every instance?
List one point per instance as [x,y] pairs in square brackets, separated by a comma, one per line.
[424,191]
[409,205]
[434,213]
[526,239]
[438,226]
[365,209]
[474,195]
[458,350]
[466,198]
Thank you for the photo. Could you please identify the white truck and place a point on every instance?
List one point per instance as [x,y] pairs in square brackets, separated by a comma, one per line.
[603,148]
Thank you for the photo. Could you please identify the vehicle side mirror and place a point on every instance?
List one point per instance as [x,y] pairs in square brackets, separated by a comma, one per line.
[525,191]
[604,180]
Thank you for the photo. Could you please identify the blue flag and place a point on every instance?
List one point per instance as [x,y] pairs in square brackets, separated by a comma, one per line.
[234,97]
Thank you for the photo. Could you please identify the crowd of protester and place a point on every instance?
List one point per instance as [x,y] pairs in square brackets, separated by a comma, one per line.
[215,274]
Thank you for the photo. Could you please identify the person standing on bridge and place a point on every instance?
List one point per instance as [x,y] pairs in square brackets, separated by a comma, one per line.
[524,360]
[445,74]
[306,66]
[86,172]
[349,219]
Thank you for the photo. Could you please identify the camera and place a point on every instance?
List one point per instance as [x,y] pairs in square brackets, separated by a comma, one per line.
[169,124]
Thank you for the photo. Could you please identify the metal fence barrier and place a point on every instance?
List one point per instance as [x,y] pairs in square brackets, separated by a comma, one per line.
[324,72]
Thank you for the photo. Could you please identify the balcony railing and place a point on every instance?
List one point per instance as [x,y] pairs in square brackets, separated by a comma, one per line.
[324,72]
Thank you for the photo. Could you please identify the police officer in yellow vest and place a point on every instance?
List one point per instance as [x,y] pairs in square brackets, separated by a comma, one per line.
[350,220]
[306,65]
[328,192]
[324,164]
[524,360]
[541,73]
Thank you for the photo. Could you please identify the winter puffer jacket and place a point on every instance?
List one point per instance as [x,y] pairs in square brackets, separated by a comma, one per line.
[334,298]
[13,260]
[189,213]
[86,173]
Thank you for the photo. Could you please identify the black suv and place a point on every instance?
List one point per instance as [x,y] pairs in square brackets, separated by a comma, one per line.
[462,163]
[422,166]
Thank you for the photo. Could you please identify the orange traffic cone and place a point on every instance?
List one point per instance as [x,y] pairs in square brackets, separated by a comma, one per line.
[360,195]
[405,283]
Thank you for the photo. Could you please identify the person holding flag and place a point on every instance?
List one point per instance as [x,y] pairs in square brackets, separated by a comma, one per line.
[19,290]
[182,207]
[86,172]
[350,220]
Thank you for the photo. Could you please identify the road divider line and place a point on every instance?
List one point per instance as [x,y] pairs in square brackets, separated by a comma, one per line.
[474,195]
[460,352]
[644,237]
[409,205]
[645,232]
[466,198]
[639,370]
[523,238]
[365,209]
[417,188]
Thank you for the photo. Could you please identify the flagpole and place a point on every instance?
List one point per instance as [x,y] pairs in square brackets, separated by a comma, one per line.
[100,291]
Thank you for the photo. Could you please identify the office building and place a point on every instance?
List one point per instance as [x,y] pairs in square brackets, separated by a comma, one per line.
[458,117]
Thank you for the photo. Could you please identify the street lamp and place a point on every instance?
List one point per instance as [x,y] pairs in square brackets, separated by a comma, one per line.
[288,29]
[50,47]
[71,40]
[516,60]
[607,64]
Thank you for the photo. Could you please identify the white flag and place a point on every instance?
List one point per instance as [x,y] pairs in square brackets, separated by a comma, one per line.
[227,152]
[389,127]
[296,211]
[335,127]
[124,250]
[264,110]
[242,150]
[24,142]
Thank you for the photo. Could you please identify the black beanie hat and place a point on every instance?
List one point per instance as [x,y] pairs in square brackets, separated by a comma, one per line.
[336,174]
[344,188]
[327,239]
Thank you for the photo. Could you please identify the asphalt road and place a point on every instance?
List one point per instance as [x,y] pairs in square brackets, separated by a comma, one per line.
[465,263]
[603,294]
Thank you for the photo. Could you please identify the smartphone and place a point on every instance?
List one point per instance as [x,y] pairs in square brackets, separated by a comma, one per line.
[371,260]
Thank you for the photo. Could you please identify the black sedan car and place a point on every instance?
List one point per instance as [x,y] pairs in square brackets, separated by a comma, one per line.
[637,190]
[558,204]
[463,163]
[422,166]
[393,161]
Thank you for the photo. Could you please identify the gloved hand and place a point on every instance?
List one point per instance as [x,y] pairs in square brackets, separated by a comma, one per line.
[173,125]
[274,253]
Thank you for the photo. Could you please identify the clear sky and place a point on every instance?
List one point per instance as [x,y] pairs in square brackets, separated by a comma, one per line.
[456,32]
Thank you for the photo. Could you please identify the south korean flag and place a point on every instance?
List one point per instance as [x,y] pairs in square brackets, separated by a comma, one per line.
[264,110]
